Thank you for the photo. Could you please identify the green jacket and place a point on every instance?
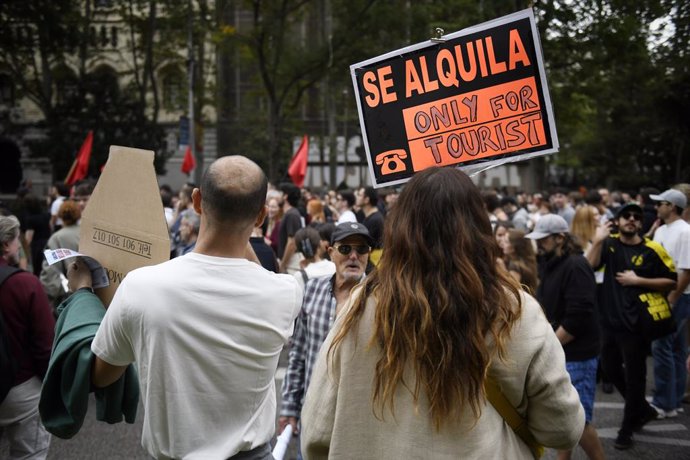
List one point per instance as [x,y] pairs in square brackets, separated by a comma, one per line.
[65,393]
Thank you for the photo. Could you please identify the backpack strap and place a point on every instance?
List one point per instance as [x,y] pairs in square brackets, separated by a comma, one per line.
[511,416]
[305,278]
[6,271]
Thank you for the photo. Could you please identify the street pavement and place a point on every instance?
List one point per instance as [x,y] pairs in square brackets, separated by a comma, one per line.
[661,439]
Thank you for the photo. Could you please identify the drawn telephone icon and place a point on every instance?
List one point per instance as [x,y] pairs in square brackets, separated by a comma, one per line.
[391,161]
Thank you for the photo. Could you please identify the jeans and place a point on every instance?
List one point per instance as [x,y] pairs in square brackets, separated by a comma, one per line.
[669,354]
[623,358]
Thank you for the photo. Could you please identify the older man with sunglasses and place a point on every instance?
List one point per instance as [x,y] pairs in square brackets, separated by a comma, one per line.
[633,266]
[349,251]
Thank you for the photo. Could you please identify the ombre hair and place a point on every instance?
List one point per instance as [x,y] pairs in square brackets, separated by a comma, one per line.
[440,298]
[523,260]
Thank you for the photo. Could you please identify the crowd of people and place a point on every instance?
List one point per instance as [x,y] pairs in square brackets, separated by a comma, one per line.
[399,310]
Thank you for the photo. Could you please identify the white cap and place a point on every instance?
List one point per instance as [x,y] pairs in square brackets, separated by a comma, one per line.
[675,197]
[549,224]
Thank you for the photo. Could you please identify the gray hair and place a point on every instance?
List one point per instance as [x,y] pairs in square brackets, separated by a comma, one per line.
[9,229]
[193,218]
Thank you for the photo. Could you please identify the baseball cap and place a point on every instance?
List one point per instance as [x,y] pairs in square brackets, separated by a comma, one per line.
[549,224]
[676,197]
[632,206]
[346,229]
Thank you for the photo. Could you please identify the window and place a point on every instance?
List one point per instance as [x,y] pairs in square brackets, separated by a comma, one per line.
[173,88]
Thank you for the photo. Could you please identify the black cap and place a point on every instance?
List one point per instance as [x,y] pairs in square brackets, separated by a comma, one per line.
[346,229]
[632,206]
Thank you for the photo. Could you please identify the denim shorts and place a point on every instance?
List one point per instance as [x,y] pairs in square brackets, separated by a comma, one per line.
[583,375]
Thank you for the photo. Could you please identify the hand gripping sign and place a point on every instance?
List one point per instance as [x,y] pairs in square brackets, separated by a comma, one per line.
[476,99]
[123,226]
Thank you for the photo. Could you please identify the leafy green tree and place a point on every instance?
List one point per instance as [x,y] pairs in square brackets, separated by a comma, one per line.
[43,42]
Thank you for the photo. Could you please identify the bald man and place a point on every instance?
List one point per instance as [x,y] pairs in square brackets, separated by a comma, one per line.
[205,330]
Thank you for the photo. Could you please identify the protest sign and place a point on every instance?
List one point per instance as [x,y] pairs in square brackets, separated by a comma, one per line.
[475,99]
[123,226]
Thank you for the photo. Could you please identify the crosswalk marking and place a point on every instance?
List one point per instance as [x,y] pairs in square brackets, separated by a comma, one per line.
[609,405]
[665,427]
[612,433]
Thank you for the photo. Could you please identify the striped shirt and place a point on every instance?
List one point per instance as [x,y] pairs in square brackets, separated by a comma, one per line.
[311,328]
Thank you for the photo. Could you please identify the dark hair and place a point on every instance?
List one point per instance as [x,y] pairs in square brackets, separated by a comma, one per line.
[232,204]
[561,191]
[84,188]
[491,200]
[166,198]
[62,188]
[646,191]
[307,240]
[33,204]
[349,196]
[293,194]
[503,223]
[325,231]
[371,193]
[508,200]
[593,197]
[444,310]
[523,260]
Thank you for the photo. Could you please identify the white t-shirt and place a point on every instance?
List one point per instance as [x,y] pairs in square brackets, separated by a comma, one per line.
[315,270]
[675,238]
[347,216]
[206,334]
[55,207]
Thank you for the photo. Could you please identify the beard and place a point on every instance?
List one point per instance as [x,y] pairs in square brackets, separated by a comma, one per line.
[627,233]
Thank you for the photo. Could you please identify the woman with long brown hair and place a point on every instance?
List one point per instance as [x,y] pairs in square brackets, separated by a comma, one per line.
[402,373]
[520,259]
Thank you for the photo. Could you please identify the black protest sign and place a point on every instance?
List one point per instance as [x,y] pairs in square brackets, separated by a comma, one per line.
[476,98]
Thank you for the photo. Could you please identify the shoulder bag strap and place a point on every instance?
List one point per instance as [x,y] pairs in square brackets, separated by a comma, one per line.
[511,416]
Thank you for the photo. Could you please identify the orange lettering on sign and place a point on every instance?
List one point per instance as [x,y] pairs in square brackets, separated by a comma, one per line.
[517,51]
[375,96]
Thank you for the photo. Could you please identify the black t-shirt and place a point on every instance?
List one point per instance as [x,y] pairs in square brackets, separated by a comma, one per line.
[374,223]
[619,305]
[264,253]
[289,224]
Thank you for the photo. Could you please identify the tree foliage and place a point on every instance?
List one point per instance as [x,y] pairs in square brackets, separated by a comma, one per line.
[51,50]
[618,72]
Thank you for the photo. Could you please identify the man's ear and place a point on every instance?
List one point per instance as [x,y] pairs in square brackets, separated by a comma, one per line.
[196,200]
[261,217]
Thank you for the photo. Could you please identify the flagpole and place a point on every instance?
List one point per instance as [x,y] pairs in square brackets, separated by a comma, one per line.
[71,170]
[190,57]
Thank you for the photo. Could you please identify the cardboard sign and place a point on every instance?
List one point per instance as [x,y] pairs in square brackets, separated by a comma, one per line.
[123,226]
[476,99]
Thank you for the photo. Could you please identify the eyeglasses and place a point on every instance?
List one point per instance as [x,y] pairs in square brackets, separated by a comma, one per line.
[346,249]
[631,215]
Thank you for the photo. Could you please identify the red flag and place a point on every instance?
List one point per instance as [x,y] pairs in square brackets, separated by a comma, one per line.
[298,165]
[80,167]
[188,163]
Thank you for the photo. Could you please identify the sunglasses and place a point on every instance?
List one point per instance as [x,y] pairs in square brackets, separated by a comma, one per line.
[346,249]
[631,215]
